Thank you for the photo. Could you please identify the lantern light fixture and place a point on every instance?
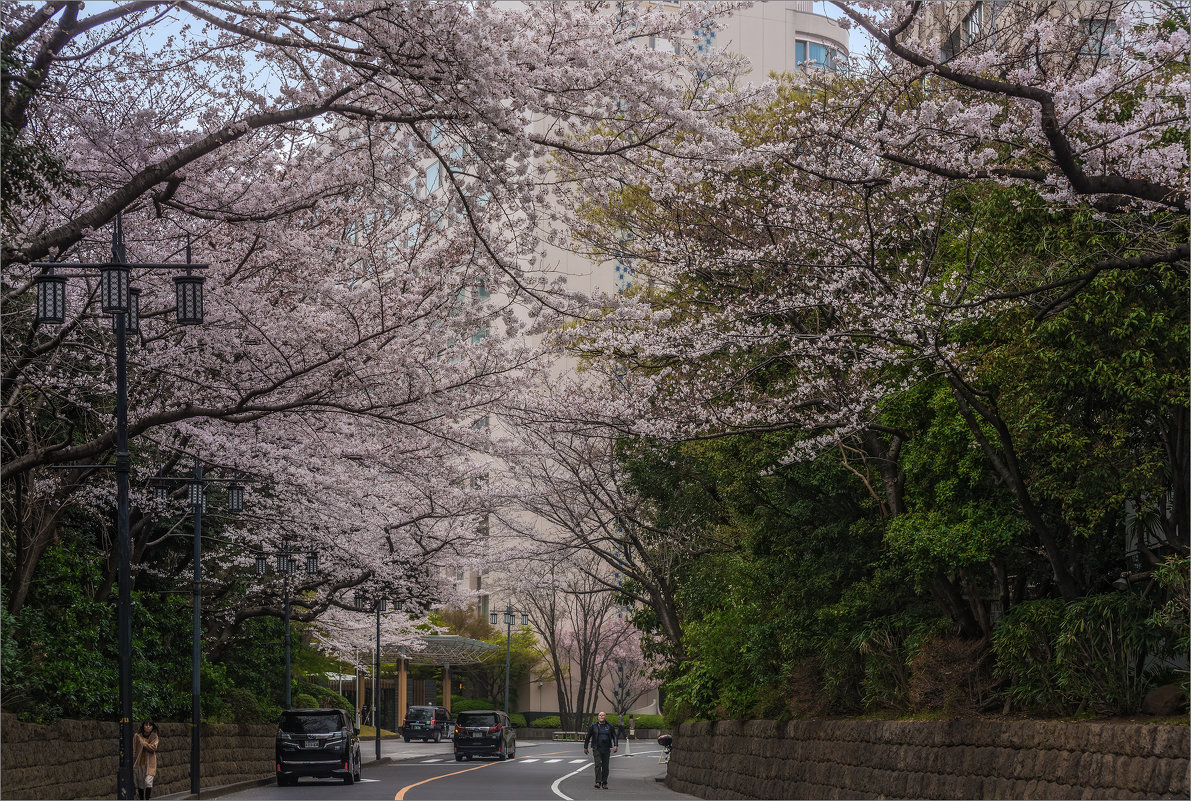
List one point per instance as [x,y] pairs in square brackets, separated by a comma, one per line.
[114,288]
[235,497]
[161,490]
[51,298]
[189,292]
[132,319]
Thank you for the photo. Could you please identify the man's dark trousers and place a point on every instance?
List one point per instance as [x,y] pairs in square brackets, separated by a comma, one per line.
[602,755]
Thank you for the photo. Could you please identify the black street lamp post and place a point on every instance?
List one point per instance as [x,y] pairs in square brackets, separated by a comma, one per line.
[119,300]
[379,605]
[287,566]
[197,495]
[510,616]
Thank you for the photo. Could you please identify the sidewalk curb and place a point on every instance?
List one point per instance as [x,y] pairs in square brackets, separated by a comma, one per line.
[248,784]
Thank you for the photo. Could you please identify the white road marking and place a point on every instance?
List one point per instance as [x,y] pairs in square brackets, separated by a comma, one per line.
[554,787]
[530,759]
[428,761]
[552,761]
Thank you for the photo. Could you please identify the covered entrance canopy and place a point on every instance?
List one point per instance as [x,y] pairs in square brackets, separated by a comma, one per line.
[439,649]
[448,649]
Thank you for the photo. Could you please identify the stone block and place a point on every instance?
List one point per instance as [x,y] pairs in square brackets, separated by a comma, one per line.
[765,729]
[727,728]
[1171,741]
[1178,784]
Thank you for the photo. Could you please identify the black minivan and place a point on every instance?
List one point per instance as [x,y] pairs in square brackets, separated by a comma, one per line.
[426,723]
[317,742]
[484,732]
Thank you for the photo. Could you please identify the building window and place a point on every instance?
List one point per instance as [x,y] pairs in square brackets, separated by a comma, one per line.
[965,34]
[817,54]
[665,45]
[1096,33]
[972,24]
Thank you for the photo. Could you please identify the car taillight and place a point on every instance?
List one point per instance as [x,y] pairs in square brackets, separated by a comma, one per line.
[494,728]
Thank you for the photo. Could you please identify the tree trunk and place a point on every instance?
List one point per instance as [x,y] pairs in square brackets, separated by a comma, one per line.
[1005,463]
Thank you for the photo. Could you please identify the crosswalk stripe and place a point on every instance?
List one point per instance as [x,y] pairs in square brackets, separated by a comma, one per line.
[531,759]
[577,761]
[426,761]
[551,761]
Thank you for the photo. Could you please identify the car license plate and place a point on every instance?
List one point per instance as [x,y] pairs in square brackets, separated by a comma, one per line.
[310,744]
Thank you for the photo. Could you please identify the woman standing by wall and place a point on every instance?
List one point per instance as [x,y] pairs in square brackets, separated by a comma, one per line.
[144,758]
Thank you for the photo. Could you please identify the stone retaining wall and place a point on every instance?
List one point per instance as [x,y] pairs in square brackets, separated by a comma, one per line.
[75,759]
[930,759]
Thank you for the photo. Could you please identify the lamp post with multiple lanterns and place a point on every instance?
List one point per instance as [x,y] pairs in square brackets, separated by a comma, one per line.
[122,301]
[510,615]
[197,495]
[378,605]
[287,565]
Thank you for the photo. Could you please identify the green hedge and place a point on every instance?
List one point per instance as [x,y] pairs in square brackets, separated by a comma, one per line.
[468,704]
[554,722]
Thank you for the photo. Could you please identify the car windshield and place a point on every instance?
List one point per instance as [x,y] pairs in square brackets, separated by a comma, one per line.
[476,719]
[310,722]
[419,713]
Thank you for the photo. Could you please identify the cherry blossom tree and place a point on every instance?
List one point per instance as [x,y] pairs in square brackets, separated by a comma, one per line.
[566,495]
[576,619]
[630,679]
[364,182]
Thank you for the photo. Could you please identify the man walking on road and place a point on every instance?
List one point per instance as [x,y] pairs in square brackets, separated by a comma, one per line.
[601,735]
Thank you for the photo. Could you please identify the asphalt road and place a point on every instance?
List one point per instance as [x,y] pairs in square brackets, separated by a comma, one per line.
[542,771]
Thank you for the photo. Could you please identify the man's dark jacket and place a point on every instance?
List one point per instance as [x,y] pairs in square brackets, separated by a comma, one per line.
[600,735]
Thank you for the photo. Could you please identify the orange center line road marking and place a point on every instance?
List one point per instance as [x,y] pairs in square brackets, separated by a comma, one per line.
[401,793]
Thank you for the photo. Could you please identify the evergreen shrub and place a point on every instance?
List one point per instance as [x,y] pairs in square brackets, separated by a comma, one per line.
[1090,655]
